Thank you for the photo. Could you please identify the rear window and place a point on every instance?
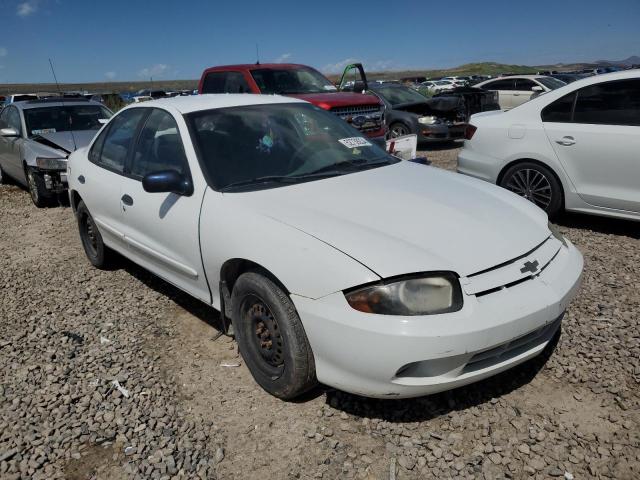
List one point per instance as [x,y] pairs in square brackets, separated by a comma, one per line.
[560,111]
[225,82]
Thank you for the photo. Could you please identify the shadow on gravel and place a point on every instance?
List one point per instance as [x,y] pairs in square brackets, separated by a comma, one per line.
[433,406]
[607,225]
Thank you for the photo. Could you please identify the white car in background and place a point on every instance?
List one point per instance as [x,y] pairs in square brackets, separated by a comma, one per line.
[437,86]
[517,89]
[576,148]
[303,233]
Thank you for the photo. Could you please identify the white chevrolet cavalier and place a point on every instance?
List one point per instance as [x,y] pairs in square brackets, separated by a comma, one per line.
[334,261]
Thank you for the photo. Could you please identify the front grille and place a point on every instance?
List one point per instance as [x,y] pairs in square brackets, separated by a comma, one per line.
[365,118]
[513,348]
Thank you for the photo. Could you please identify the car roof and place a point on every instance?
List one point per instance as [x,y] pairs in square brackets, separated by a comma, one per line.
[255,66]
[28,104]
[209,101]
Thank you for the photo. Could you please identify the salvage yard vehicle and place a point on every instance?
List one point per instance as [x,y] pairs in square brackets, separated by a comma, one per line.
[427,281]
[363,111]
[576,148]
[515,90]
[36,137]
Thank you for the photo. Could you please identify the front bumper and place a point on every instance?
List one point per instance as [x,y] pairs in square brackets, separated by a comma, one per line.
[398,357]
[54,181]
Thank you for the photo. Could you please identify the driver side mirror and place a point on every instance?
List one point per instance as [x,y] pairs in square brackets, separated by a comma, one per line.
[537,88]
[9,132]
[167,181]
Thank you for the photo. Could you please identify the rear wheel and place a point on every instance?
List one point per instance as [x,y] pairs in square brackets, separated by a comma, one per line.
[3,178]
[40,196]
[97,252]
[537,184]
[271,337]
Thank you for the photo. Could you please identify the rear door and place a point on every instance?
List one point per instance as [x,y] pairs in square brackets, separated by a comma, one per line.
[522,91]
[162,229]
[595,133]
[504,87]
[100,179]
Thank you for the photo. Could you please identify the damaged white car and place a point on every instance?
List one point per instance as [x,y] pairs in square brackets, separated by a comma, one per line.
[334,261]
[37,136]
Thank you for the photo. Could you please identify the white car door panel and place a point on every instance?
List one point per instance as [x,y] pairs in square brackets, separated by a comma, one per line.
[603,161]
[161,230]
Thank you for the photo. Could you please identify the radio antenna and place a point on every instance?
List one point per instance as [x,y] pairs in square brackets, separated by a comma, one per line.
[73,138]
[257,55]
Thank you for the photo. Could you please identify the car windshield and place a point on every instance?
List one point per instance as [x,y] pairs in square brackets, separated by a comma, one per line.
[551,83]
[399,95]
[264,146]
[291,81]
[21,98]
[64,118]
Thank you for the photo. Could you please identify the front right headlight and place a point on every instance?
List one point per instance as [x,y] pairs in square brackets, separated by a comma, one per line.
[428,294]
[428,120]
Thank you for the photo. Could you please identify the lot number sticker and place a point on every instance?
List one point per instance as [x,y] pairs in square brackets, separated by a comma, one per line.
[354,142]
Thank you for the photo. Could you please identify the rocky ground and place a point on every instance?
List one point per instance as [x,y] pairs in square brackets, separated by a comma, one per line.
[119,375]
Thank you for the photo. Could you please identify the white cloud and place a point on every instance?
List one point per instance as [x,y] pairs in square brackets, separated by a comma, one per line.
[339,66]
[110,75]
[156,70]
[282,58]
[26,8]
[3,52]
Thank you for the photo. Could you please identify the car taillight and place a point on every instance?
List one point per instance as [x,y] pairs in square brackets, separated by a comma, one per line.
[469,131]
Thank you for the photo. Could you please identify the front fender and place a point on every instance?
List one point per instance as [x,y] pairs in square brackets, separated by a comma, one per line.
[305,265]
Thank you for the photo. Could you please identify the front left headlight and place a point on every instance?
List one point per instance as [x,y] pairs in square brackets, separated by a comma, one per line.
[555,231]
[51,163]
[438,292]
[428,120]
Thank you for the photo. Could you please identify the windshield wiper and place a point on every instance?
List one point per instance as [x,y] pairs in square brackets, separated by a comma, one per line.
[277,179]
[353,165]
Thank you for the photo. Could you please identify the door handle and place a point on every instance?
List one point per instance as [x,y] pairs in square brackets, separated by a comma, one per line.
[81,179]
[127,200]
[566,141]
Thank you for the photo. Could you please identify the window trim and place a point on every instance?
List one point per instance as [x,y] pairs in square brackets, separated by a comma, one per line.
[130,155]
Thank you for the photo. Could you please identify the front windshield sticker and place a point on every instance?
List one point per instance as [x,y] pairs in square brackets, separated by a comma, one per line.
[43,130]
[354,142]
[265,144]
[329,87]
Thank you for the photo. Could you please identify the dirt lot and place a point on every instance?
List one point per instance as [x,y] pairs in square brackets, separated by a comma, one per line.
[191,409]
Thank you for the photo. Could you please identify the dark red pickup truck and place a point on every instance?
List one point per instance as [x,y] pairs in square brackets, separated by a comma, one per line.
[363,111]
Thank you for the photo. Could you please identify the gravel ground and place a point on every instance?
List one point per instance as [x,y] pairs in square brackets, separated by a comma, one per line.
[188,407]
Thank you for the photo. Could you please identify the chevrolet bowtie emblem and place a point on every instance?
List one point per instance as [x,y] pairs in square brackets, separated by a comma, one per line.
[531,267]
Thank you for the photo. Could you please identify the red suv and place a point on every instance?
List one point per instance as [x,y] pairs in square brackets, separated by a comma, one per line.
[363,111]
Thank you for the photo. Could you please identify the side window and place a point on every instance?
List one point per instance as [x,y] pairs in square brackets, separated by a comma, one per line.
[610,103]
[524,84]
[225,82]
[506,84]
[119,138]
[13,119]
[159,146]
[96,148]
[4,113]
[559,111]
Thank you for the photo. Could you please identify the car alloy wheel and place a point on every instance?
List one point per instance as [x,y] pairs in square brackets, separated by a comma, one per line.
[532,185]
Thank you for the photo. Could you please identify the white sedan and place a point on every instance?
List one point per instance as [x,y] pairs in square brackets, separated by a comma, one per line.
[517,89]
[576,148]
[334,261]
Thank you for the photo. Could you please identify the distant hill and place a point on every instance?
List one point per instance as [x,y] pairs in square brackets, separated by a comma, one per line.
[627,62]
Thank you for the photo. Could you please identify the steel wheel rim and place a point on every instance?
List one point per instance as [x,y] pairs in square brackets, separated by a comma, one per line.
[266,338]
[532,185]
[91,235]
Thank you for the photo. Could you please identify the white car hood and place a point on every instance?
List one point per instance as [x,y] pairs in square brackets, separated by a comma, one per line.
[408,218]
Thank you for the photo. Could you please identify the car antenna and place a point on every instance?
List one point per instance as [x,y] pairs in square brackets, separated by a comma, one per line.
[257,55]
[73,138]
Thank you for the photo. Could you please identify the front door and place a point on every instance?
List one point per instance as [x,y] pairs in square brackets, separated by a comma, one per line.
[598,143]
[10,158]
[162,229]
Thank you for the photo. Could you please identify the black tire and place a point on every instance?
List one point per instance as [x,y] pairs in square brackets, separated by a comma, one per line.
[536,183]
[3,176]
[97,252]
[40,196]
[398,129]
[271,337]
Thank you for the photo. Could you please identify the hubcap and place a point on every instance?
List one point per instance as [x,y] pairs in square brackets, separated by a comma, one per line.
[266,337]
[532,185]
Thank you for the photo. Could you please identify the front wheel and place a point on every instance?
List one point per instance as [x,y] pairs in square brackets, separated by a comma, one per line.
[40,196]
[398,129]
[271,337]
[537,184]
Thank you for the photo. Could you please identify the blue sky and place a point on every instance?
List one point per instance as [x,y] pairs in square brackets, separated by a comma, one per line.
[133,40]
